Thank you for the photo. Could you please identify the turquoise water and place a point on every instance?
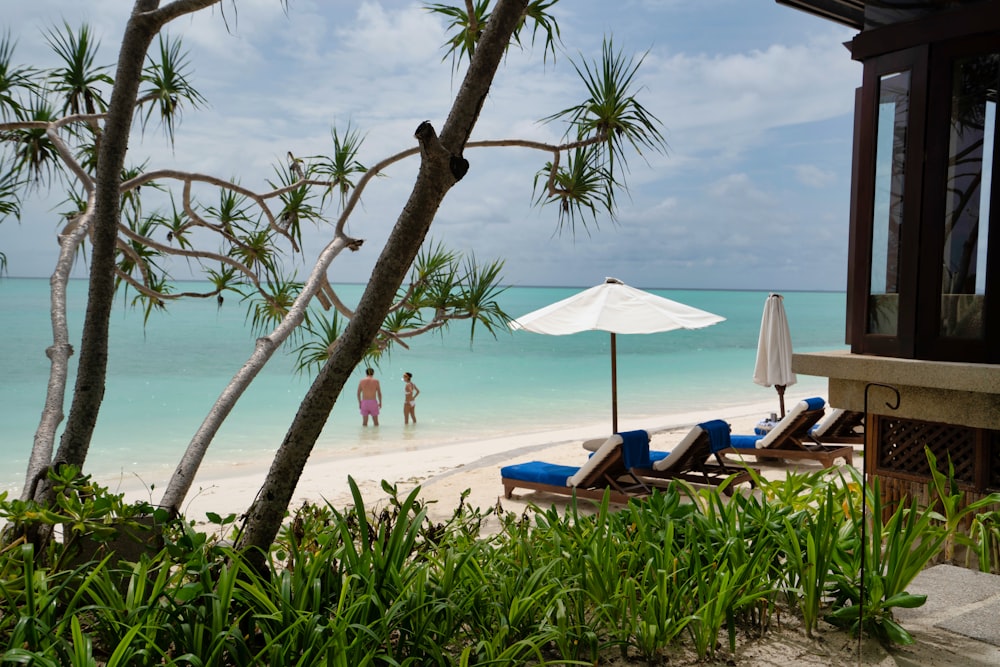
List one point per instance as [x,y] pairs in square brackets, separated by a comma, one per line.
[164,377]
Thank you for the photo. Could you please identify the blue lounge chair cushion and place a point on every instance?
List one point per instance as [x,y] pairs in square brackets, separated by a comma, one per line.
[764,441]
[815,403]
[744,441]
[657,456]
[718,434]
[539,471]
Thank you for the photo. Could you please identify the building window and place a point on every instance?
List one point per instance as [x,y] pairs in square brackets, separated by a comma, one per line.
[967,196]
[887,208]
[921,286]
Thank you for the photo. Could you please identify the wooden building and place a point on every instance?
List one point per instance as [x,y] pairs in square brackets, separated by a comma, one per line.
[923,293]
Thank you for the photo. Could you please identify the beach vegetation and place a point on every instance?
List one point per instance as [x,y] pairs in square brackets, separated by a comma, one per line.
[877,562]
[983,544]
[681,577]
[73,134]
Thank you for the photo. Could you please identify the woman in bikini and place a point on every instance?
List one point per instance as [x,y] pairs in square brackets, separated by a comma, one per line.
[409,399]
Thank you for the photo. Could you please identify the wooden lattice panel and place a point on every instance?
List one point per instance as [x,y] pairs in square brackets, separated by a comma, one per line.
[900,449]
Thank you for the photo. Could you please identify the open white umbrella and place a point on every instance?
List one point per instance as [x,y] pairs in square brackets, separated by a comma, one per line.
[617,308]
[774,349]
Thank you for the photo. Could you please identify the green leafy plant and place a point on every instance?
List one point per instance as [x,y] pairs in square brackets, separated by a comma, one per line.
[892,554]
[984,538]
[385,585]
[88,514]
[949,504]
[809,548]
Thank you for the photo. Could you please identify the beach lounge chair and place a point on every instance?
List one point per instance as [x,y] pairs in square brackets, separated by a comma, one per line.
[606,469]
[691,460]
[840,426]
[789,439]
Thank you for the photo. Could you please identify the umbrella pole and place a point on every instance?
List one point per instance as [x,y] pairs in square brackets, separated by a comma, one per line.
[781,398]
[614,385]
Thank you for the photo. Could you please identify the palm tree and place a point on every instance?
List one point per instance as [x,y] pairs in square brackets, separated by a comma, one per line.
[626,120]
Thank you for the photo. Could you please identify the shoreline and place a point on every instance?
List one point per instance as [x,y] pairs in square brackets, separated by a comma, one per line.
[443,470]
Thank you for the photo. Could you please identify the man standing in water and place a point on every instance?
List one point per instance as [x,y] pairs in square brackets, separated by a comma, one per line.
[369,397]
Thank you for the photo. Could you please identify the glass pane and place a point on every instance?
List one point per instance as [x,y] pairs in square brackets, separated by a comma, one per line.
[984,198]
[887,213]
[970,159]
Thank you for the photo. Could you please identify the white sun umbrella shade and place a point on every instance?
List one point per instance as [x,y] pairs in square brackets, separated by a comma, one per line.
[774,350]
[616,308]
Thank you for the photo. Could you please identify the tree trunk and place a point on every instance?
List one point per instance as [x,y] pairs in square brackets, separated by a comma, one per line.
[440,168]
[187,468]
[58,353]
[88,393]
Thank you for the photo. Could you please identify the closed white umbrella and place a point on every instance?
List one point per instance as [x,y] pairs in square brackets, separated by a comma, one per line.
[617,308]
[774,349]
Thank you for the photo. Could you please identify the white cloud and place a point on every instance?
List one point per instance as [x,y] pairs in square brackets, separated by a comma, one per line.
[726,101]
[385,41]
[756,114]
[737,189]
[811,175]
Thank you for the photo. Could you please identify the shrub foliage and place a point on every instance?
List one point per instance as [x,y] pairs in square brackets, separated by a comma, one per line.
[683,570]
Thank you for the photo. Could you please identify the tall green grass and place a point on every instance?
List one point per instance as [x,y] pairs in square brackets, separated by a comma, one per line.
[685,570]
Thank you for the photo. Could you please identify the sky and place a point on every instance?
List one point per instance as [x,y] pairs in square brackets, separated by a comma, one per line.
[755,100]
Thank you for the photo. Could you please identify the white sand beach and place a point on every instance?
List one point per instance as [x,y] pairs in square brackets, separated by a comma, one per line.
[443,471]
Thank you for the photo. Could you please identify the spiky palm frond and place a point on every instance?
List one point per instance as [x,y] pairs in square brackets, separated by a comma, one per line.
[433,262]
[297,204]
[231,213]
[168,86]
[477,296]
[433,281]
[541,23]
[256,250]
[15,80]
[131,200]
[140,252]
[342,166]
[10,193]
[224,279]
[159,283]
[464,30]
[177,225]
[611,111]
[78,80]
[402,320]
[324,332]
[35,156]
[265,311]
[582,189]
[86,150]
[140,261]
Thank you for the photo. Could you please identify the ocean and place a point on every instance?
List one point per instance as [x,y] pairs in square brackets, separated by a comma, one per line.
[164,376]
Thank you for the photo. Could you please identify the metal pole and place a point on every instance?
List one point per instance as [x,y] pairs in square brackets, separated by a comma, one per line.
[614,385]
[870,438]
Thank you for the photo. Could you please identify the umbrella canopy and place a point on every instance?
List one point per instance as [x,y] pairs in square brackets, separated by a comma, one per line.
[774,349]
[617,308]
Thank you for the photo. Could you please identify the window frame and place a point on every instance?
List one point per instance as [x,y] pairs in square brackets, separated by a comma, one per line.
[931,66]
[902,343]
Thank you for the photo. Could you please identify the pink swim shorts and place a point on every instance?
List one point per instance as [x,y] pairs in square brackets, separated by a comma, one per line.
[369,406]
